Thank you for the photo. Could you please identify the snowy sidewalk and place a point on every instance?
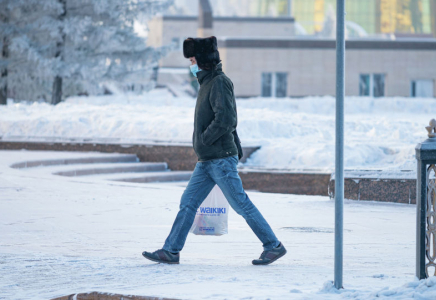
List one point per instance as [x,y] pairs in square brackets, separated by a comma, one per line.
[62,235]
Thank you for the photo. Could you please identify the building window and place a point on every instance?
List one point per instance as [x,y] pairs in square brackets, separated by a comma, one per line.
[364,85]
[266,84]
[422,88]
[176,42]
[372,85]
[274,84]
[379,85]
[281,78]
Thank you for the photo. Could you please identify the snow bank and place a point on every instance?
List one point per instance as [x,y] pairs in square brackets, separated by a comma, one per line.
[424,289]
[380,133]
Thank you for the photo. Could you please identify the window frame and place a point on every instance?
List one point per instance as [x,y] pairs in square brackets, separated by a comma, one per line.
[372,84]
[273,84]
[276,84]
[413,87]
[262,87]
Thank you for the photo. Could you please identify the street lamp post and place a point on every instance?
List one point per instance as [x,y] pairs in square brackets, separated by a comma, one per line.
[339,155]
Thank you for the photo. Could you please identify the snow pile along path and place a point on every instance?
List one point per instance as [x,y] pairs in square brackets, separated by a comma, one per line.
[380,133]
[418,289]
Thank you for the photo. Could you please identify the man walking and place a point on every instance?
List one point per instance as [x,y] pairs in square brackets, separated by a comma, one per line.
[218,150]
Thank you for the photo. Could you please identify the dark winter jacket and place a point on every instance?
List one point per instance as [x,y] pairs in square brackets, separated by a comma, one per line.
[215,118]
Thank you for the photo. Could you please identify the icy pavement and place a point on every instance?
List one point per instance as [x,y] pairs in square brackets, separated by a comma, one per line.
[63,235]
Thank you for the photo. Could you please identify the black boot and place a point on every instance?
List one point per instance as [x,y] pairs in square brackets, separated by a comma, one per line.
[162,256]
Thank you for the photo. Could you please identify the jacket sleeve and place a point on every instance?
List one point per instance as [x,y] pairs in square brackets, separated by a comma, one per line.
[220,99]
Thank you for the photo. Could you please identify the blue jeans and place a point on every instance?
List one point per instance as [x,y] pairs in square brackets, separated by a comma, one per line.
[224,172]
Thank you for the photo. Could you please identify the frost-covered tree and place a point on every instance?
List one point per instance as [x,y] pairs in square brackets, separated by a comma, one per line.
[52,49]
[25,35]
[97,42]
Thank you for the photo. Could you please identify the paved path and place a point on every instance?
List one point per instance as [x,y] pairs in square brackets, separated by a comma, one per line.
[63,235]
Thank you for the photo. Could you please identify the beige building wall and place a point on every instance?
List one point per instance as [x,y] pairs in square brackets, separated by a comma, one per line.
[399,66]
[155,33]
[313,71]
[181,30]
[226,27]
[306,70]
[164,28]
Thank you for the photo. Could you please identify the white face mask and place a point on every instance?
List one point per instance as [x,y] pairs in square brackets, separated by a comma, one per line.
[194,69]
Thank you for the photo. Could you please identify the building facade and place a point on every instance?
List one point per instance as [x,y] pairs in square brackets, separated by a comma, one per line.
[175,29]
[263,57]
[307,67]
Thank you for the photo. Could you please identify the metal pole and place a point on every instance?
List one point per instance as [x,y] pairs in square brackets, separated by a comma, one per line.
[339,157]
[421,226]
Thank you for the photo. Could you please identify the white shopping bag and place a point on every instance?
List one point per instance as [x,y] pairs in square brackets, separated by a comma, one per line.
[212,215]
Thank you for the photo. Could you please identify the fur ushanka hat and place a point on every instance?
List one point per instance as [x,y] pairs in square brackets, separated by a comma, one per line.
[204,50]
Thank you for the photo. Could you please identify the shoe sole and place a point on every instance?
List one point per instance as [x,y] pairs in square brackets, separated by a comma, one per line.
[273,260]
[161,261]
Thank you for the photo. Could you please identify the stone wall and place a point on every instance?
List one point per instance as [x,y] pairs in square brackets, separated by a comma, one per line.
[377,189]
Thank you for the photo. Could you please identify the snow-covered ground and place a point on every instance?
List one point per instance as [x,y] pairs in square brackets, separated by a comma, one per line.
[63,235]
[380,133]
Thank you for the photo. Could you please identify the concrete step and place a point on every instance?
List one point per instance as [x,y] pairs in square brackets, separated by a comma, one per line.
[159,177]
[115,168]
[179,154]
[120,158]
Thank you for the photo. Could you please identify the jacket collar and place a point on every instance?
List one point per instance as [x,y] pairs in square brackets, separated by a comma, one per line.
[204,76]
